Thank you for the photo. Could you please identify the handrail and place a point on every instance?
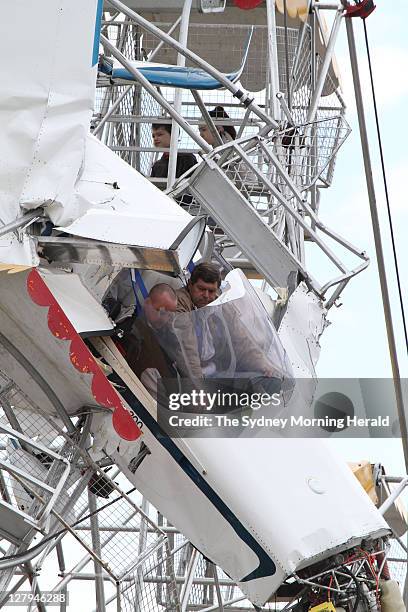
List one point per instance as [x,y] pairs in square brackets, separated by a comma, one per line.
[242,95]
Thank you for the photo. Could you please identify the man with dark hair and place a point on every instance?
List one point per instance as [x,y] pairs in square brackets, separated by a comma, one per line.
[227,132]
[202,288]
[220,337]
[161,133]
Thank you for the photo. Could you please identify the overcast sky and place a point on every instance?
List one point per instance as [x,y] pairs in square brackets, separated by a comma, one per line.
[356,344]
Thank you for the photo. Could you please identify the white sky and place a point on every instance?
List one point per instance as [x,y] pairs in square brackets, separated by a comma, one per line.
[356,344]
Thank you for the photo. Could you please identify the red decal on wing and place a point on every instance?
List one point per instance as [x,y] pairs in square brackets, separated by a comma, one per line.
[81,357]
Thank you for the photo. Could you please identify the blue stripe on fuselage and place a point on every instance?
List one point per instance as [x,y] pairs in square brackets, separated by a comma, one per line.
[266,565]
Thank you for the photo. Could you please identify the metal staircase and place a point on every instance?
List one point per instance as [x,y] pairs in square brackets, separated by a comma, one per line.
[255,193]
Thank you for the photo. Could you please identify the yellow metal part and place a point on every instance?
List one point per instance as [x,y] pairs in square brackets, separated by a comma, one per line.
[295,8]
[324,607]
[364,473]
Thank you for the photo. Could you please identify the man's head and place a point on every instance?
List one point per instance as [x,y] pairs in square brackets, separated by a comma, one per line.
[217,113]
[161,133]
[204,284]
[162,301]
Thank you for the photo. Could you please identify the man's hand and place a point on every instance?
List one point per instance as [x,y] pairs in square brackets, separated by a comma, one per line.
[271,372]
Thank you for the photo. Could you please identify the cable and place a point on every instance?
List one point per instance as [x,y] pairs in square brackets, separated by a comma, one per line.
[358,587]
[394,250]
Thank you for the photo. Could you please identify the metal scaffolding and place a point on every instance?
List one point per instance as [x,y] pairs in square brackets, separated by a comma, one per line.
[261,196]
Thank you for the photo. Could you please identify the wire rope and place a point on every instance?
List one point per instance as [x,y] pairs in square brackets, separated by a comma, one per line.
[384,175]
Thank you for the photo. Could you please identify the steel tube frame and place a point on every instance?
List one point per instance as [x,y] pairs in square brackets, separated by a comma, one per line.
[9,412]
[112,109]
[281,99]
[40,381]
[161,43]
[84,545]
[314,194]
[189,579]
[110,21]
[92,464]
[230,602]
[310,212]
[146,150]
[300,220]
[13,589]
[124,529]
[378,241]
[217,588]
[61,566]
[236,91]
[96,545]
[207,117]
[131,580]
[17,223]
[26,555]
[35,589]
[154,93]
[122,29]
[241,149]
[272,60]
[178,96]
[244,123]
[203,581]
[299,45]
[118,118]
[68,576]
[326,4]
[336,146]
[55,491]
[393,496]
[140,550]
[90,576]
[324,69]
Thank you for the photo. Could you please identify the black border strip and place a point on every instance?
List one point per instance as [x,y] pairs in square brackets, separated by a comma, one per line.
[266,565]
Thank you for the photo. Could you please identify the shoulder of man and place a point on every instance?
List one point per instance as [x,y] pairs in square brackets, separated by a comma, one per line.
[160,168]
[184,301]
[187,157]
[185,161]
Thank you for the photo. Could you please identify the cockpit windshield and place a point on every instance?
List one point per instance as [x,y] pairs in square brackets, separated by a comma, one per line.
[230,340]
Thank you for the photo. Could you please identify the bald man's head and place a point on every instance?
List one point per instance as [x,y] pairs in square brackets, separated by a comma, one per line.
[162,290]
[161,301]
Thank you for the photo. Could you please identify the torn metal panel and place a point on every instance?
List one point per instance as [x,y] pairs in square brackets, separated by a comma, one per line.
[114,203]
[86,315]
[94,252]
[300,329]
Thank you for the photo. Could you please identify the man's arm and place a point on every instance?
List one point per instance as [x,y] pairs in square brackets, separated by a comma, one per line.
[248,353]
[184,301]
[187,355]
